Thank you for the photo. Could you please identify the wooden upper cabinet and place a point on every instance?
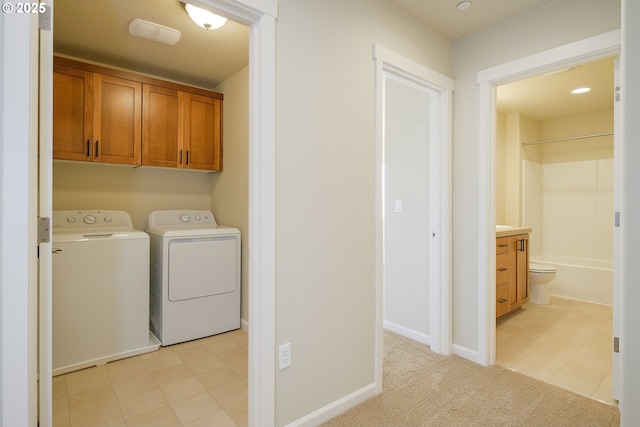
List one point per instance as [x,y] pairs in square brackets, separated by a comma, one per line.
[113,116]
[72,113]
[202,132]
[162,131]
[117,120]
[95,117]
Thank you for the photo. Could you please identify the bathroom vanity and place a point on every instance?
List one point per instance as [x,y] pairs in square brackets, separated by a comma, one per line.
[512,268]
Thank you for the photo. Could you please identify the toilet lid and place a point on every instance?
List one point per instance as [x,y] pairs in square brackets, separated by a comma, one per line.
[541,268]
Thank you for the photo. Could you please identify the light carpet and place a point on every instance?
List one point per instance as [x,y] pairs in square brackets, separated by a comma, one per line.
[421,388]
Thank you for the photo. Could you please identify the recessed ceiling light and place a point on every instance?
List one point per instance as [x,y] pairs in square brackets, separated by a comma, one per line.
[581,90]
[463,5]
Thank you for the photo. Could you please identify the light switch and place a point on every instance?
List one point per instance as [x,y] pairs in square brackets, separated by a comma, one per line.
[398,205]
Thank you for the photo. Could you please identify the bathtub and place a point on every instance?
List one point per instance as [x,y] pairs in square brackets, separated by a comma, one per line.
[578,278]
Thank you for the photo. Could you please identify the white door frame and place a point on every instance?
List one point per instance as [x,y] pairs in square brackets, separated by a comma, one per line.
[590,49]
[262,246]
[387,61]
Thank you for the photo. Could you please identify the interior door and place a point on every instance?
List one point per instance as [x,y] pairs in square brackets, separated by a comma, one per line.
[45,192]
[617,234]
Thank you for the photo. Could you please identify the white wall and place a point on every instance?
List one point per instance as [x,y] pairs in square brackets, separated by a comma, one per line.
[630,339]
[325,290]
[552,25]
[406,233]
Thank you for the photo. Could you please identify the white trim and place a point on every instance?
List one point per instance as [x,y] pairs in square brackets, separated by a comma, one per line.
[387,61]
[262,196]
[45,205]
[590,49]
[466,353]
[406,332]
[18,151]
[335,408]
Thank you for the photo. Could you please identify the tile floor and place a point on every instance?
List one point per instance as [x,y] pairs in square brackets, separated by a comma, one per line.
[567,343]
[198,383]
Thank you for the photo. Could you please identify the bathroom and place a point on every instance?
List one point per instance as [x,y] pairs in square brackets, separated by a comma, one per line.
[554,174]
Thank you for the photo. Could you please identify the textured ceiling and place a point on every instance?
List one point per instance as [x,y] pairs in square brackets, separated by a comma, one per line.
[98,31]
[548,97]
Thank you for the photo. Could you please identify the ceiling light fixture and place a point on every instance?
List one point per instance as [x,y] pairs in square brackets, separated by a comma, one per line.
[463,5]
[154,32]
[204,18]
[581,90]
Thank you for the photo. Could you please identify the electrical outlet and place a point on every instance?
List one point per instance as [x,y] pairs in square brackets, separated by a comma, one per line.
[284,360]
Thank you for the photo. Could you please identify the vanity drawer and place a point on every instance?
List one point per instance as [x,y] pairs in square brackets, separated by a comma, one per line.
[502,269]
[502,300]
[502,245]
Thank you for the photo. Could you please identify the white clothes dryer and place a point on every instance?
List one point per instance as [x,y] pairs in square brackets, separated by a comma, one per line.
[195,275]
[100,288]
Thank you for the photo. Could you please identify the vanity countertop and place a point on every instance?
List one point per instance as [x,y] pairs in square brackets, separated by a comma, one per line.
[507,230]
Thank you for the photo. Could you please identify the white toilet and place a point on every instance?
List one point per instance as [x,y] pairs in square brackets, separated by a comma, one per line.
[539,277]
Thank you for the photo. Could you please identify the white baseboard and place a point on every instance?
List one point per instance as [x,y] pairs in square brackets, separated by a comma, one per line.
[406,332]
[244,325]
[466,353]
[335,408]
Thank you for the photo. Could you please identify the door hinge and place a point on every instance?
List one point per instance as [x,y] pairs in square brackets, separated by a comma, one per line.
[616,345]
[44,17]
[617,94]
[44,229]
[616,216]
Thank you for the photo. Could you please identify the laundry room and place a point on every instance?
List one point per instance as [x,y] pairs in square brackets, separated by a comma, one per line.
[202,61]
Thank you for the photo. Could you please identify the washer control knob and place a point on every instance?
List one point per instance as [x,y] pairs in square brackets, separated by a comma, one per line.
[184,218]
[71,219]
[107,219]
[89,219]
[197,218]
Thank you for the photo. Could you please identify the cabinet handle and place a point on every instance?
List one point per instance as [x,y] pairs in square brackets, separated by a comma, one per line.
[187,157]
[502,269]
[97,153]
[502,246]
[502,300]
[88,148]
[180,156]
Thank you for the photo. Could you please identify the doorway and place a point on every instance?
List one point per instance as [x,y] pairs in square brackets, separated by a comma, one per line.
[413,206]
[261,205]
[594,48]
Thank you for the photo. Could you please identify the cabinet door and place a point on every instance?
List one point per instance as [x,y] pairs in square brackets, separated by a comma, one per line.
[162,126]
[523,268]
[117,120]
[202,132]
[72,114]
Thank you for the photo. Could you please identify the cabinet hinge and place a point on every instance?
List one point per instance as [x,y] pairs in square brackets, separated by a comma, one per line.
[617,94]
[44,229]
[616,219]
[44,17]
[616,345]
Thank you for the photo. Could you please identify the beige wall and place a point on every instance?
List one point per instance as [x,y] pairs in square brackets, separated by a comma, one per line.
[552,25]
[230,192]
[325,283]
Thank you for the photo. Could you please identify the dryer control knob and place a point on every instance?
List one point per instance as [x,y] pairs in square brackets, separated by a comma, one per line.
[184,218]
[89,219]
[197,218]
[71,219]
[107,219]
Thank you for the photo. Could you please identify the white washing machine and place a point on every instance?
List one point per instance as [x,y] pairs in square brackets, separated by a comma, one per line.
[100,289]
[195,275]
